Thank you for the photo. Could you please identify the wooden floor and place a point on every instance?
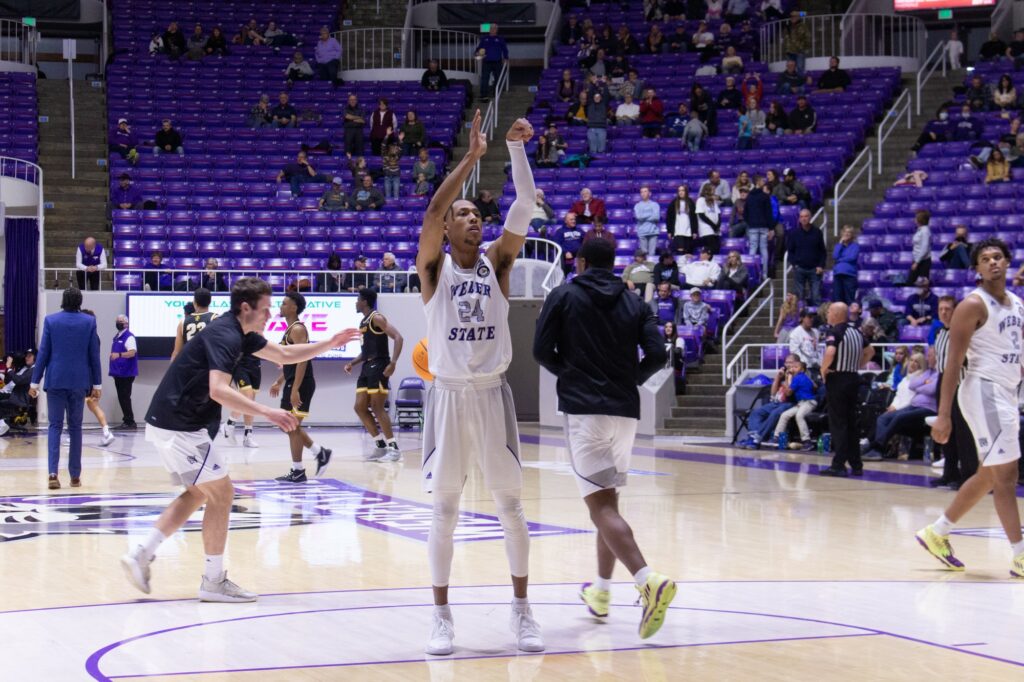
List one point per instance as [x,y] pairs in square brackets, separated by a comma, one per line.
[783,575]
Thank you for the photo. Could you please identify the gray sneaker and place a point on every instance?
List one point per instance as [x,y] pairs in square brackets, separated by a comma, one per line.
[376,455]
[136,569]
[391,455]
[224,591]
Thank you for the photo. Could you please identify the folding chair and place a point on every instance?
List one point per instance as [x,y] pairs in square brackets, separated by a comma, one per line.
[409,402]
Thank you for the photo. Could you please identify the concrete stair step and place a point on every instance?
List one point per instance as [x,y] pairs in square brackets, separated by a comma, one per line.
[716,412]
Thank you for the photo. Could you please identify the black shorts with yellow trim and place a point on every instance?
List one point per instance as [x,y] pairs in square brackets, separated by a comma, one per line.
[306,391]
[371,379]
[249,378]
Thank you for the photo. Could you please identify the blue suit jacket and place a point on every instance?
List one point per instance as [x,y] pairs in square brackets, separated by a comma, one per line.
[69,353]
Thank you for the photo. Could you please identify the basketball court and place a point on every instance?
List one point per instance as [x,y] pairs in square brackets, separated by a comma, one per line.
[783,575]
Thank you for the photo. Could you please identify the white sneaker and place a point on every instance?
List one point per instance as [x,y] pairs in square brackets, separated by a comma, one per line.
[106,439]
[391,455]
[441,635]
[526,629]
[229,433]
[65,440]
[249,441]
[224,591]
[136,569]
[939,463]
[4,428]
[376,455]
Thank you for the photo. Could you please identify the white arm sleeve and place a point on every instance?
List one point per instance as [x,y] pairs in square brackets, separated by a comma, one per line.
[517,221]
[78,259]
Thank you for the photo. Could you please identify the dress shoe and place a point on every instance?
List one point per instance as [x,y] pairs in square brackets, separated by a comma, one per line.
[54,483]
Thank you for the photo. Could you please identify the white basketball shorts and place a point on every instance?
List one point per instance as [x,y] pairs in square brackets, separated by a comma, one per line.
[990,411]
[189,456]
[600,447]
[467,421]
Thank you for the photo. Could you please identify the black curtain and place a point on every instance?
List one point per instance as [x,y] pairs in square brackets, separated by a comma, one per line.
[21,277]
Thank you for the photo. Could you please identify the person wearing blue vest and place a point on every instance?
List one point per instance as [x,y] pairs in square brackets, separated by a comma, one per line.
[124,367]
[90,258]
[69,356]
[493,53]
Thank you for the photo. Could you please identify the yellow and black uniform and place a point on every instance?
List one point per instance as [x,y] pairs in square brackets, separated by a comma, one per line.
[249,373]
[306,388]
[195,323]
[376,357]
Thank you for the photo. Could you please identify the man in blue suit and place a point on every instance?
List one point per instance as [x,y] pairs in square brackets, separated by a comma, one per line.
[69,355]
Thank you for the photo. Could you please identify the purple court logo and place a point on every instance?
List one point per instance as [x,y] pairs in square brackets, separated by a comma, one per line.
[258,504]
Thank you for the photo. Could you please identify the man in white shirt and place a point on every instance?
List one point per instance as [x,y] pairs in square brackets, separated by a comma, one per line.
[803,341]
[628,112]
[721,187]
[703,272]
[90,259]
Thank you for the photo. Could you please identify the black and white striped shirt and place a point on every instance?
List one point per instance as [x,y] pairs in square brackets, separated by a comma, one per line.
[941,349]
[849,344]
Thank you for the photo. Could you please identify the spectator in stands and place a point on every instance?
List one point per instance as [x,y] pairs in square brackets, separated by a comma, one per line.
[834,79]
[679,41]
[676,124]
[493,54]
[196,44]
[383,122]
[423,187]
[367,196]
[998,168]
[954,50]
[327,54]
[806,247]
[570,237]
[543,214]
[174,41]
[167,140]
[887,321]
[802,119]
[434,79]
[730,97]
[639,275]
[391,279]
[757,214]
[936,130]
[737,220]
[391,168]
[546,154]
[758,119]
[597,124]
[157,277]
[625,42]
[763,418]
[855,318]
[648,221]
[681,221]
[796,40]
[217,43]
[736,11]
[1004,95]
[791,80]
[805,394]
[211,279]
[667,270]
[789,318]
[957,253]
[921,263]
[253,34]
[567,87]
[654,41]
[587,206]
[715,9]
[664,305]
[709,217]
[702,272]
[804,340]
[912,405]
[735,276]
[334,199]
[1015,50]
[299,173]
[572,30]
[123,141]
[413,134]
[745,132]
[488,207]
[719,187]
[600,231]
[90,260]
[628,112]
[556,139]
[424,166]
[298,69]
[704,106]
[704,43]
[742,182]
[992,49]
[775,120]
[632,85]
[792,192]
[978,95]
[259,115]
[694,132]
[359,170]
[125,195]
[283,115]
[844,271]
[332,281]
[277,37]
[696,313]
[360,279]
[731,62]
[355,120]
[965,129]
[922,307]
[156,45]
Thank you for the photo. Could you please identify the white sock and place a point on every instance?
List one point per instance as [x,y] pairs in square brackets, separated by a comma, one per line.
[298,466]
[641,576]
[313,449]
[443,610]
[520,603]
[1018,548]
[214,569]
[393,443]
[942,526]
[106,430]
[153,540]
[603,584]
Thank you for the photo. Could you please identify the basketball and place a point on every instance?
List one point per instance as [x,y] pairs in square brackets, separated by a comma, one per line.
[420,360]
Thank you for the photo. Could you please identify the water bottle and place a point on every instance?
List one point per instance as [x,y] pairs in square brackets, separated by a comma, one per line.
[783,440]
[827,444]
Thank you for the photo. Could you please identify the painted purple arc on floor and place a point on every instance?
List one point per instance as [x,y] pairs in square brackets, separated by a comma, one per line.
[872,475]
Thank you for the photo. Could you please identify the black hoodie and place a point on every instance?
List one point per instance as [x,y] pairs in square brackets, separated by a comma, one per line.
[588,334]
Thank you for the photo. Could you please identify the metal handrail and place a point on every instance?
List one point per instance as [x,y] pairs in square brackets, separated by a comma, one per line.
[18,42]
[406,47]
[857,169]
[848,35]
[894,114]
[741,363]
[489,121]
[766,301]
[786,267]
[552,30]
[934,59]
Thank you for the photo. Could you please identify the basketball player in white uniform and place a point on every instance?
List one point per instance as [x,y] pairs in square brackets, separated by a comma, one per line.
[470,416]
[986,328]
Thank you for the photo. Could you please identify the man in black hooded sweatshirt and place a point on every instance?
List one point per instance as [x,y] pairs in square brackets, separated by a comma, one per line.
[587,336]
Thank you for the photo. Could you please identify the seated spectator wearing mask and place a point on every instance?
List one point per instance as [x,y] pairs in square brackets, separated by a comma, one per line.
[923,305]
[957,253]
[914,401]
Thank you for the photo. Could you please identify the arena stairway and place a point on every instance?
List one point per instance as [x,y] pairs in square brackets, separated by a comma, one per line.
[79,204]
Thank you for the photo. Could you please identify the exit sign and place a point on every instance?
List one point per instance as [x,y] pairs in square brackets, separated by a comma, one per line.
[945,14]
[28,21]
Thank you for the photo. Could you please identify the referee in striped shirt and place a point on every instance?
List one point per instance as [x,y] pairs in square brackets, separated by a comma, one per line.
[846,351]
[959,454]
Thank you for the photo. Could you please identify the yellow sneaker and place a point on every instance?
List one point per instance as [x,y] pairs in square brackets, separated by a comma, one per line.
[938,546]
[596,600]
[656,594]
[1017,569]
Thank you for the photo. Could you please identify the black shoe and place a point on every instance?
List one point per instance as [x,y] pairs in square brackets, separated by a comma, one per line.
[857,472]
[323,458]
[833,473]
[293,476]
[126,426]
[954,485]
[938,482]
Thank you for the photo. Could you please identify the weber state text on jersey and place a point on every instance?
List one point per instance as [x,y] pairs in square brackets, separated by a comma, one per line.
[467,323]
[994,353]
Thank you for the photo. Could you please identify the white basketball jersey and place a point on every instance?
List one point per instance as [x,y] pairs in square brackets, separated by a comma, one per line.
[994,353]
[467,323]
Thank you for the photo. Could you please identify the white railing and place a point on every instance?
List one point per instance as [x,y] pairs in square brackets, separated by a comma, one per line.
[848,35]
[749,357]
[786,267]
[407,48]
[552,31]
[488,123]
[18,42]
[936,58]
[862,164]
[890,120]
[766,301]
